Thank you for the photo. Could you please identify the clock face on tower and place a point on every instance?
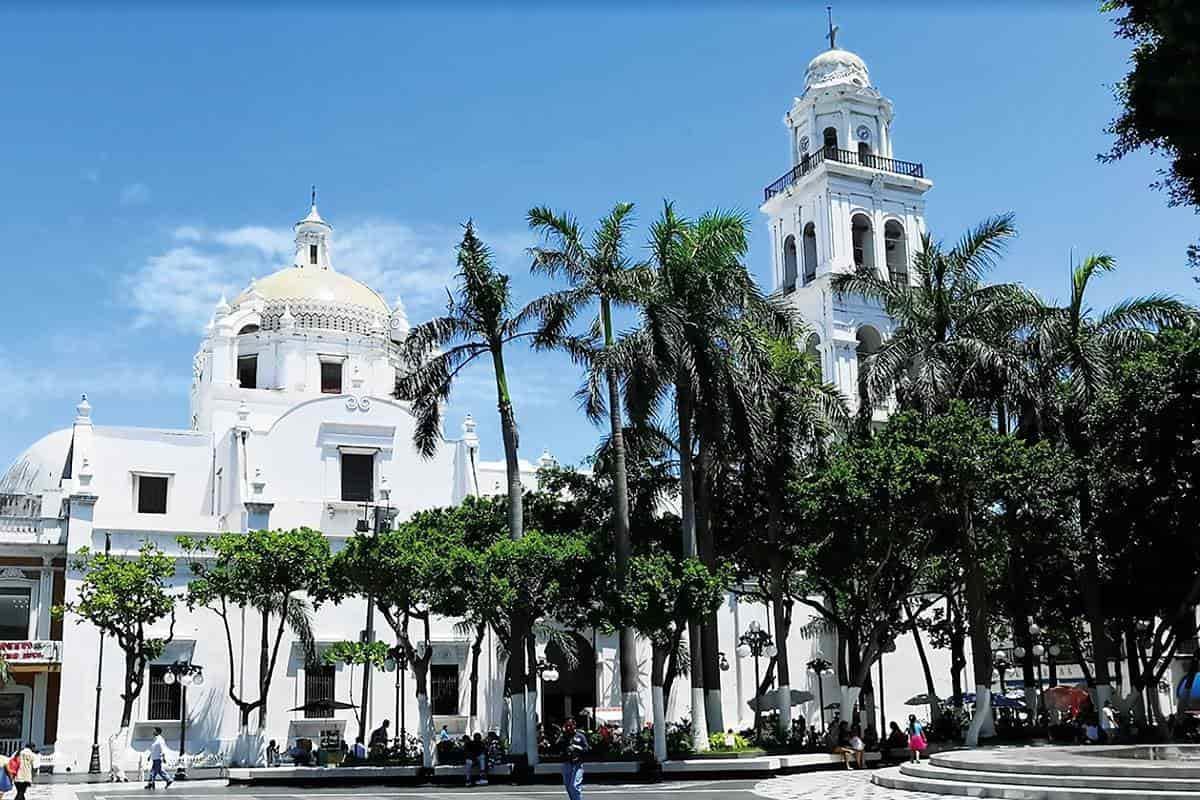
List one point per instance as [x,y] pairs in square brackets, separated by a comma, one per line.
[863,133]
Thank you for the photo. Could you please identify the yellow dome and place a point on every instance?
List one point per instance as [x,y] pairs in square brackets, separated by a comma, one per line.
[299,284]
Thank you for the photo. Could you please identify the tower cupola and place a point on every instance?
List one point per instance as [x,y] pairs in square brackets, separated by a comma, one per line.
[312,239]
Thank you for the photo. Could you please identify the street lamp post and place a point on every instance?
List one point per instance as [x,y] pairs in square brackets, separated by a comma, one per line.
[890,647]
[819,666]
[1053,652]
[397,659]
[383,517]
[94,761]
[187,674]
[1001,665]
[757,642]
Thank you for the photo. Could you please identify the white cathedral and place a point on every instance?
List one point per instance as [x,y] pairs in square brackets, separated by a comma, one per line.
[293,423]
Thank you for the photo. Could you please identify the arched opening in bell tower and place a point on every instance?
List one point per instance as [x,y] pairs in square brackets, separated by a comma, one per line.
[896,252]
[864,154]
[864,249]
[810,253]
[812,350]
[831,142]
[789,263]
[869,342]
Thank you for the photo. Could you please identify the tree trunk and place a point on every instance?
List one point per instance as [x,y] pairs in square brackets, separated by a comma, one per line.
[783,695]
[264,669]
[531,700]
[981,640]
[710,669]
[476,649]
[935,708]
[683,404]
[958,650]
[518,623]
[1093,603]
[622,541]
[658,702]
[129,697]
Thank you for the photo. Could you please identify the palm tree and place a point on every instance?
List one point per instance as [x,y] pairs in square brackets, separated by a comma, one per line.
[1085,348]
[479,321]
[601,273]
[944,318]
[700,345]
[950,340]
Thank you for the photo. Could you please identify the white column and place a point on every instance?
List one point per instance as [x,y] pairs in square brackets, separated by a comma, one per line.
[45,599]
[37,719]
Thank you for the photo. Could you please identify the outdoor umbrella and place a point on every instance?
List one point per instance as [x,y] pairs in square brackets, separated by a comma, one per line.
[833,706]
[1066,698]
[1189,695]
[922,699]
[324,705]
[768,700]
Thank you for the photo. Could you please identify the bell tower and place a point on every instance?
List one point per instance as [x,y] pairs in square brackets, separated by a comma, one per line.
[845,203]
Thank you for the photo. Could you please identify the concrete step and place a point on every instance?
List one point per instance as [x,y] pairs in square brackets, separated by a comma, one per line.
[966,787]
[932,771]
[1098,762]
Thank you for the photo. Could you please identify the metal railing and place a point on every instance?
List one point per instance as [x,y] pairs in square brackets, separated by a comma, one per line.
[811,161]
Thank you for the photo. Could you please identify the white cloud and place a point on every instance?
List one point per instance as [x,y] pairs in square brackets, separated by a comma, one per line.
[415,263]
[135,194]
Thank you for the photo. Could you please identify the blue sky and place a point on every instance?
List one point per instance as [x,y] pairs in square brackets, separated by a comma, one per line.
[154,159]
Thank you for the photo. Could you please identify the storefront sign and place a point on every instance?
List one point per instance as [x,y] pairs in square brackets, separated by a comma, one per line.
[32,652]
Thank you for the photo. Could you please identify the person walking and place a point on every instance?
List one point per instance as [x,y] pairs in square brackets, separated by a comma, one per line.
[573,745]
[157,749]
[1109,729]
[916,738]
[26,770]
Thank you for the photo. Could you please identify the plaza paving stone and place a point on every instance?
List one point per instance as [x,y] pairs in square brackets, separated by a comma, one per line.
[834,785]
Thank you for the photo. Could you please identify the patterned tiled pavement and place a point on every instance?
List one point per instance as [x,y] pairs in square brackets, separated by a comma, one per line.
[834,785]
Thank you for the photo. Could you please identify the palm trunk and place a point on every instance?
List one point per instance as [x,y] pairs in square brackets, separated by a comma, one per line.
[622,542]
[710,669]
[981,640]
[683,402]
[520,625]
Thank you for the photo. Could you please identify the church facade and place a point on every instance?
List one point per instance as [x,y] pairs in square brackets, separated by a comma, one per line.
[292,423]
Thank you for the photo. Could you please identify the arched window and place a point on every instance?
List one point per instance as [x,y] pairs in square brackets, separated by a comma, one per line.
[895,252]
[810,252]
[869,342]
[251,328]
[812,350]
[864,154]
[831,142]
[789,263]
[861,236]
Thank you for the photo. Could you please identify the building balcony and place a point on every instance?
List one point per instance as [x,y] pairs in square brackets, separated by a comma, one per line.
[810,162]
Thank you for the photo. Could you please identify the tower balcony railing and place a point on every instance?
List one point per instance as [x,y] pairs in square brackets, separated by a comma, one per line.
[811,161]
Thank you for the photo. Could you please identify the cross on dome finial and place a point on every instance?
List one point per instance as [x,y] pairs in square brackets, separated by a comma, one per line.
[833,29]
[313,202]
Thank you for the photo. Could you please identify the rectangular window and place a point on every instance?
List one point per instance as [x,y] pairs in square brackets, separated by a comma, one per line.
[165,698]
[331,377]
[358,477]
[248,372]
[152,494]
[12,716]
[318,688]
[443,679]
[14,613]
[312,254]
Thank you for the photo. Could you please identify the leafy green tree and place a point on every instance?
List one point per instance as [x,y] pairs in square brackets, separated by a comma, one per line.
[1084,348]
[662,595]
[123,597]
[277,574]
[480,321]
[600,273]
[1157,96]
[1146,464]
[356,654]
[408,574]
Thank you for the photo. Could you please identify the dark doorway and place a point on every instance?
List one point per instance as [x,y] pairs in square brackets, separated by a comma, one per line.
[575,688]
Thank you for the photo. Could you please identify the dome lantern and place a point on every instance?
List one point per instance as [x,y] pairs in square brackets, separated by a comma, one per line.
[312,238]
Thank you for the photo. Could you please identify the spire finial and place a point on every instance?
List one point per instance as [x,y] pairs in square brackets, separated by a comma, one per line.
[313,202]
[833,29]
